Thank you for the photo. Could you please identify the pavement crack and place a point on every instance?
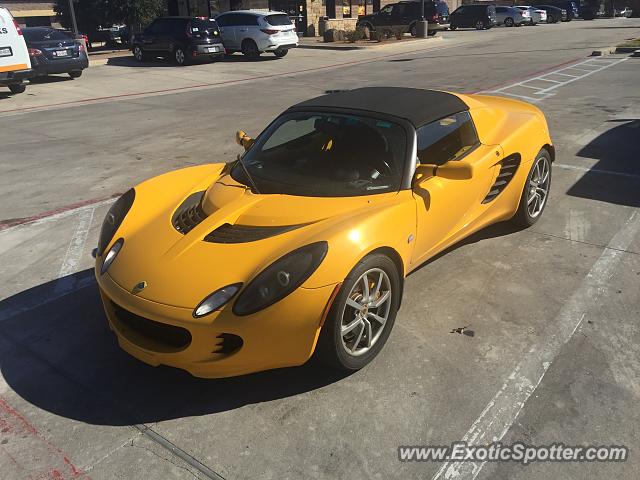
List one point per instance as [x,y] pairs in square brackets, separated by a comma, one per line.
[167,459]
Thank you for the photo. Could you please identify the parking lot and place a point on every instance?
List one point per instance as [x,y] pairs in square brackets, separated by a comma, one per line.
[553,356]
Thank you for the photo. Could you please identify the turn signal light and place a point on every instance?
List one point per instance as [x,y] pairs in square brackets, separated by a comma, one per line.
[269,31]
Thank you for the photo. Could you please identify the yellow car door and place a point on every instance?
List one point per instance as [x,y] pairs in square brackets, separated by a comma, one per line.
[454,175]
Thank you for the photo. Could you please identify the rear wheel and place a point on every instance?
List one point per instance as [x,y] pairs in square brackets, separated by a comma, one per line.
[551,19]
[180,56]
[508,22]
[16,88]
[431,33]
[75,73]
[452,26]
[362,315]
[250,49]
[535,192]
[281,52]
[413,30]
[479,25]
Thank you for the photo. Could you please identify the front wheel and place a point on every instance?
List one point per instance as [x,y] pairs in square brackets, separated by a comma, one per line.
[452,26]
[281,53]
[75,73]
[479,25]
[362,315]
[535,193]
[139,54]
[508,22]
[16,88]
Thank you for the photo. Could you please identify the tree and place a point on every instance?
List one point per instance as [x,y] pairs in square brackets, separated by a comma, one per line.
[91,15]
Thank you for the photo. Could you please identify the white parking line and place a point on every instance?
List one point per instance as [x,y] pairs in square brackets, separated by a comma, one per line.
[597,170]
[594,66]
[74,251]
[502,410]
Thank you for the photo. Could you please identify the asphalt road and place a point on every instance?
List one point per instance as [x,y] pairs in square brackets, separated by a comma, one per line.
[554,354]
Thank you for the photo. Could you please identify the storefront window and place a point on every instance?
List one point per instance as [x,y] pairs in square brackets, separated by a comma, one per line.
[352,8]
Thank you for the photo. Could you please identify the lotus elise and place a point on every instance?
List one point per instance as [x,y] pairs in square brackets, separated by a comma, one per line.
[301,246]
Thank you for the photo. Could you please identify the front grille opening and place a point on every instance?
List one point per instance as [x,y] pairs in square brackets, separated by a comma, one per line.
[149,334]
[227,344]
[189,214]
[228,233]
[508,168]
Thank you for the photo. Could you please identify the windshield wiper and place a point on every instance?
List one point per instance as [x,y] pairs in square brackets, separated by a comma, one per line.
[249,177]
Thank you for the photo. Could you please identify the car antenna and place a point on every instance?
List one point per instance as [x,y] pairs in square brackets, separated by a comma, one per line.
[244,167]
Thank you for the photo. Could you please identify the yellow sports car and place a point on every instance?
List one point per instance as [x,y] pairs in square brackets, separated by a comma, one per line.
[303,243]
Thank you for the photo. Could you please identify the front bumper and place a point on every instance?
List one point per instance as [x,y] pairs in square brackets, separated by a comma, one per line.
[281,335]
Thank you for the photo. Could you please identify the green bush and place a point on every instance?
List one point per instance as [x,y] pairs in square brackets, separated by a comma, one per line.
[353,36]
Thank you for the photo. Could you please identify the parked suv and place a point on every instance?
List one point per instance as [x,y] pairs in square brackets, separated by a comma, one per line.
[480,16]
[406,14]
[185,39]
[254,32]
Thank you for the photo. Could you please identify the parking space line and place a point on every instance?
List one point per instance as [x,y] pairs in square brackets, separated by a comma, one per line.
[74,250]
[498,416]
[542,79]
[597,170]
[529,86]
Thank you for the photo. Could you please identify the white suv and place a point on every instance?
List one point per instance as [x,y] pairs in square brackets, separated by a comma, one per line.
[254,32]
[15,65]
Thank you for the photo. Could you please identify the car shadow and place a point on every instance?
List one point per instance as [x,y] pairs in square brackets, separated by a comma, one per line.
[63,77]
[57,353]
[130,61]
[615,178]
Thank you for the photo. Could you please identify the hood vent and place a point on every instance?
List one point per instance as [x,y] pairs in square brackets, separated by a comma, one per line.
[508,168]
[189,214]
[228,233]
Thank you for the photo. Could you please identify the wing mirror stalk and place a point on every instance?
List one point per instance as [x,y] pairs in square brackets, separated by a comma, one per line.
[453,170]
[244,140]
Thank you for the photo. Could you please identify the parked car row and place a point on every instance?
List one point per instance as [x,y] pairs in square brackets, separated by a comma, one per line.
[36,51]
[189,39]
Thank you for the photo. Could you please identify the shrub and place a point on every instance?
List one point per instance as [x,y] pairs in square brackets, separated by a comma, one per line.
[333,35]
[353,36]
[398,32]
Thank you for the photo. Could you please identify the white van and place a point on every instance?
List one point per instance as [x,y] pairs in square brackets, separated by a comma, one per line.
[15,65]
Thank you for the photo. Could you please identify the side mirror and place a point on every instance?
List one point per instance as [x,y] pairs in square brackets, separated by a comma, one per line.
[453,170]
[244,140]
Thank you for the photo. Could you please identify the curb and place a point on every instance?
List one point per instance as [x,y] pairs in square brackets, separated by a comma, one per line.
[604,51]
[626,49]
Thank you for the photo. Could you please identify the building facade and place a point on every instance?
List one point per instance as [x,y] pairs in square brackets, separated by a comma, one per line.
[32,13]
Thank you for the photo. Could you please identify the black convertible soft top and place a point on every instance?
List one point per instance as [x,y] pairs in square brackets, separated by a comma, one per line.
[416,105]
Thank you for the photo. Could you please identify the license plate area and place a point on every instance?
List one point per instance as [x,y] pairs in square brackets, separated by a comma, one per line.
[5,52]
[213,49]
[60,53]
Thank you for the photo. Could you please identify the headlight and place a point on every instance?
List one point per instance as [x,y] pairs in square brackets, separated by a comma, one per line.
[280,278]
[111,255]
[216,300]
[114,218]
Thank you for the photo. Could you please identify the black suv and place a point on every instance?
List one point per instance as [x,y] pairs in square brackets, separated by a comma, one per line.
[185,39]
[406,14]
[480,16]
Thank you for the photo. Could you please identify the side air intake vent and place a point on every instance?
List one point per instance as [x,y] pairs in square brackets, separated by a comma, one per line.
[508,168]
[245,233]
[189,214]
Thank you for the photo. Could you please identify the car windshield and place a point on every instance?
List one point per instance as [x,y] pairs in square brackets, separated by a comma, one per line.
[326,155]
[278,20]
[44,34]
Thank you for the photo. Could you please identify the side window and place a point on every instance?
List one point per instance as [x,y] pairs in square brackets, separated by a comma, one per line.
[245,20]
[398,10]
[501,9]
[460,11]
[386,10]
[449,138]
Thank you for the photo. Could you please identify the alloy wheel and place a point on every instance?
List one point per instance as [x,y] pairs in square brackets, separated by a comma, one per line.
[538,187]
[366,311]
[137,53]
[180,57]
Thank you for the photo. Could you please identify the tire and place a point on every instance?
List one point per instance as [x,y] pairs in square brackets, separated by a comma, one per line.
[139,54]
[75,73]
[281,53]
[413,30]
[519,24]
[527,215]
[551,19]
[348,351]
[431,33]
[508,22]
[16,88]
[180,56]
[250,49]
[452,26]
[479,24]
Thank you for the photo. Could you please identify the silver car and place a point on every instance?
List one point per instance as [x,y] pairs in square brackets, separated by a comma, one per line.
[531,14]
[254,32]
[510,16]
